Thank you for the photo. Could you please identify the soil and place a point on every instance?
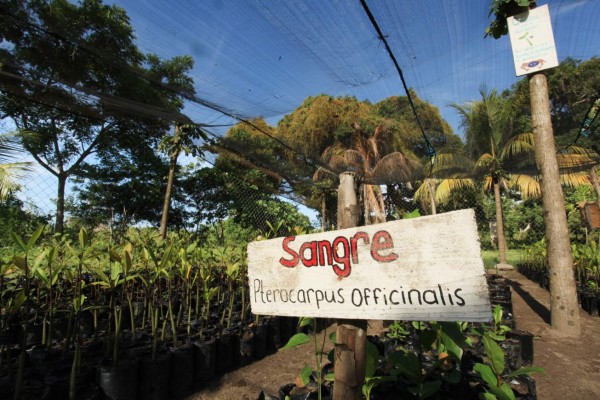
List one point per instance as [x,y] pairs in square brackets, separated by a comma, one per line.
[572,365]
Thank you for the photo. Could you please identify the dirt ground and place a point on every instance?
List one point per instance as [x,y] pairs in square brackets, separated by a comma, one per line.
[572,365]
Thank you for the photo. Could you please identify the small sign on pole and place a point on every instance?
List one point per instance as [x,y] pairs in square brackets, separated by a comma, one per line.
[532,41]
[427,268]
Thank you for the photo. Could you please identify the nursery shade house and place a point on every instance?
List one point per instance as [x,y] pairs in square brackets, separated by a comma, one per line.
[230,122]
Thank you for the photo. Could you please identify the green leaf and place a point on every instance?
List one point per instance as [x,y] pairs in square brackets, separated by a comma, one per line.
[305,375]
[413,214]
[486,374]
[297,340]
[83,238]
[408,364]
[114,256]
[20,262]
[304,321]
[34,237]
[329,377]
[332,337]
[495,354]
[372,359]
[526,371]
[497,338]
[17,239]
[487,396]
[19,299]
[506,393]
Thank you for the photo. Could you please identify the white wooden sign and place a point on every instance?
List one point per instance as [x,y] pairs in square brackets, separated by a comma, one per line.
[425,269]
[532,41]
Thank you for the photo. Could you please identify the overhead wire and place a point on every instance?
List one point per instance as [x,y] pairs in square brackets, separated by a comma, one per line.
[588,121]
[430,149]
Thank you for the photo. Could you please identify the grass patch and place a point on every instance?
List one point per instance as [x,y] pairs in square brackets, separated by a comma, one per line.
[490,257]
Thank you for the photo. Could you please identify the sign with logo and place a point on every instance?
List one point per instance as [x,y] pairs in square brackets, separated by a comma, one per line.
[532,41]
[427,268]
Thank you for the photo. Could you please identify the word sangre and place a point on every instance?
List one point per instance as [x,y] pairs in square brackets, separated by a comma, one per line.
[339,254]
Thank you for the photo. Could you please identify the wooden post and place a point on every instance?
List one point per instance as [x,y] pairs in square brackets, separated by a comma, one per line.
[348,209]
[351,336]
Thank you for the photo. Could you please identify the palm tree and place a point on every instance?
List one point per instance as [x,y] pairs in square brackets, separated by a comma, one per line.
[366,157]
[506,159]
[448,172]
[489,133]
[10,172]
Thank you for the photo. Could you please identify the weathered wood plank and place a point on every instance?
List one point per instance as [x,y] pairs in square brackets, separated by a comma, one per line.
[428,268]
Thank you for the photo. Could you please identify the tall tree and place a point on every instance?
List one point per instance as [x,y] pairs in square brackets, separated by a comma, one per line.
[563,303]
[73,74]
[486,124]
[369,156]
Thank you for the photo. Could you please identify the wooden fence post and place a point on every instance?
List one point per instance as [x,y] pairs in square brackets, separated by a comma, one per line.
[350,349]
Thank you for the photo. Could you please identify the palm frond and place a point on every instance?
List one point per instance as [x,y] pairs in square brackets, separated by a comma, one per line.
[395,168]
[520,145]
[446,187]
[527,185]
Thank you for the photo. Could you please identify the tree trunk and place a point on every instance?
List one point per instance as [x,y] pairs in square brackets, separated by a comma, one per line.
[564,307]
[502,246]
[59,225]
[594,180]
[168,192]
[323,213]
[431,197]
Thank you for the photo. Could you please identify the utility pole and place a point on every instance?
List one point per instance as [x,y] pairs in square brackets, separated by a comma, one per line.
[350,352]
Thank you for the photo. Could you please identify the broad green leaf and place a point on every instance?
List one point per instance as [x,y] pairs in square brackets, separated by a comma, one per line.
[20,262]
[495,354]
[297,340]
[332,337]
[19,299]
[507,393]
[83,238]
[413,214]
[329,377]
[408,364]
[486,374]
[114,256]
[34,237]
[372,359]
[526,371]
[17,239]
[305,375]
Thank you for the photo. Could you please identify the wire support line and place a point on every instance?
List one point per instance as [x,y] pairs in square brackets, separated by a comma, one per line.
[588,121]
[188,96]
[251,185]
[430,149]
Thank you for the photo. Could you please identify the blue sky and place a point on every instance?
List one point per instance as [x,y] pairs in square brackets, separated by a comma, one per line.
[264,57]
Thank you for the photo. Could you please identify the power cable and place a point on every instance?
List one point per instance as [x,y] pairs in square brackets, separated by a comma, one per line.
[430,149]
[588,121]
